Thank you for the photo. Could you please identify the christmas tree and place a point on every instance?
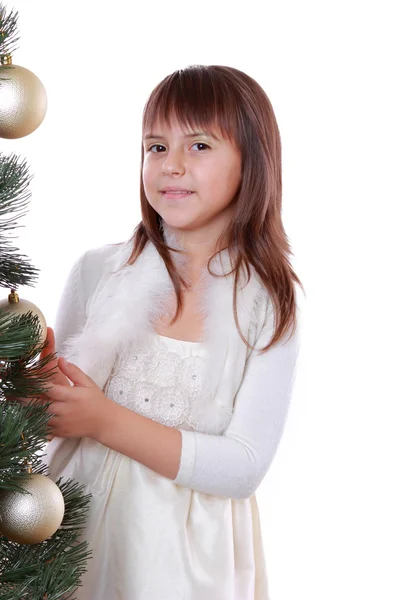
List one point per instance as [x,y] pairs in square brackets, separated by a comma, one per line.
[41,521]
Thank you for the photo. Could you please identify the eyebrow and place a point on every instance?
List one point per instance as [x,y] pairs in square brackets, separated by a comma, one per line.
[153,136]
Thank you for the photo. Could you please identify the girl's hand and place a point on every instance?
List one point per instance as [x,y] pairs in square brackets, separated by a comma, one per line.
[58,376]
[80,410]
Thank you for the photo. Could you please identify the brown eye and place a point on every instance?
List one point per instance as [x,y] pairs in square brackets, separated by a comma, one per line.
[155,146]
[201,144]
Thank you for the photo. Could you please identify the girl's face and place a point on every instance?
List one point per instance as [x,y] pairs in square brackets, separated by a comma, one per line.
[203,165]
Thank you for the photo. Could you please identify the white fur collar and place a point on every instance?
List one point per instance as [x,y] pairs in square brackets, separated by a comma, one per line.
[128,300]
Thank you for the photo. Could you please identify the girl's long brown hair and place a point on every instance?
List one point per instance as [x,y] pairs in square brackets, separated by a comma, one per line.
[230,101]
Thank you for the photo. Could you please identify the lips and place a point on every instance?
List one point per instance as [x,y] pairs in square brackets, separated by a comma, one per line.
[177,190]
[176,194]
[173,192]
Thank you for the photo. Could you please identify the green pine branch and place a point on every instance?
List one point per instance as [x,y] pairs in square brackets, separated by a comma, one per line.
[53,568]
[22,374]
[14,182]
[20,334]
[15,269]
[23,438]
[8,31]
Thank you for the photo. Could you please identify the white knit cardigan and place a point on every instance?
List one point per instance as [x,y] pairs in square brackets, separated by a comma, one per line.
[244,406]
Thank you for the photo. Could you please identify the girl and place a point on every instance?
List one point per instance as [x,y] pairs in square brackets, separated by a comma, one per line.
[182,363]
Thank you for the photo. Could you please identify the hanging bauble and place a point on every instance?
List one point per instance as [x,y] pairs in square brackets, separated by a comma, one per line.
[18,307]
[23,101]
[34,517]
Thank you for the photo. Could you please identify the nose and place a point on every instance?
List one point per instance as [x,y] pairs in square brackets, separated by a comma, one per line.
[173,163]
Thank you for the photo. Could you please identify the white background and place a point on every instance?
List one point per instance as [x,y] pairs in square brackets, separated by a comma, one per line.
[330,502]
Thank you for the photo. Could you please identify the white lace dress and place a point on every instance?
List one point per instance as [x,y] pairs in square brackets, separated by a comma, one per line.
[153,539]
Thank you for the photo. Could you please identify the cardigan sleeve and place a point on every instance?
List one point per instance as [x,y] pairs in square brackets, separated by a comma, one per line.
[234,464]
[79,287]
[70,316]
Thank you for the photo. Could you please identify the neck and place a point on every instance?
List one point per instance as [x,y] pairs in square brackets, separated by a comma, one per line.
[198,246]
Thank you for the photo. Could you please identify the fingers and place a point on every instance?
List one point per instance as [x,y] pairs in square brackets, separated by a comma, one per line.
[51,344]
[50,349]
[26,400]
[58,392]
[50,424]
[60,378]
[78,377]
[57,377]
[21,400]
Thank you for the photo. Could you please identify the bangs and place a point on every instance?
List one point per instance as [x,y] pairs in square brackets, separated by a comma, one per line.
[196,100]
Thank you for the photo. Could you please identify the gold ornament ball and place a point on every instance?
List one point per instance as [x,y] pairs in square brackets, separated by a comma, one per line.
[18,306]
[23,102]
[31,518]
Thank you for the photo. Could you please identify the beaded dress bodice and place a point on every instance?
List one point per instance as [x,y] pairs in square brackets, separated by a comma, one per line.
[162,381]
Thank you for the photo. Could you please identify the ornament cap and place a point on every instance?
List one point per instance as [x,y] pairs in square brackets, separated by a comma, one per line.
[6,59]
[13,298]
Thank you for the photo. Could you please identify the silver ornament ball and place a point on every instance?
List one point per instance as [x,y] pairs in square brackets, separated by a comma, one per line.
[34,517]
[18,306]
[23,101]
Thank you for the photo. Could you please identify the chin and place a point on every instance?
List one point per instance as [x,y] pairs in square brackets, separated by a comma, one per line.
[180,222]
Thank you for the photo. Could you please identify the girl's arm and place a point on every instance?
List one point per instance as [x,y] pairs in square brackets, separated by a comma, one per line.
[70,317]
[235,463]
[153,444]
[232,464]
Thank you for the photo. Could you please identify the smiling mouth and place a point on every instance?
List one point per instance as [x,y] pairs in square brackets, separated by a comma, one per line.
[176,194]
